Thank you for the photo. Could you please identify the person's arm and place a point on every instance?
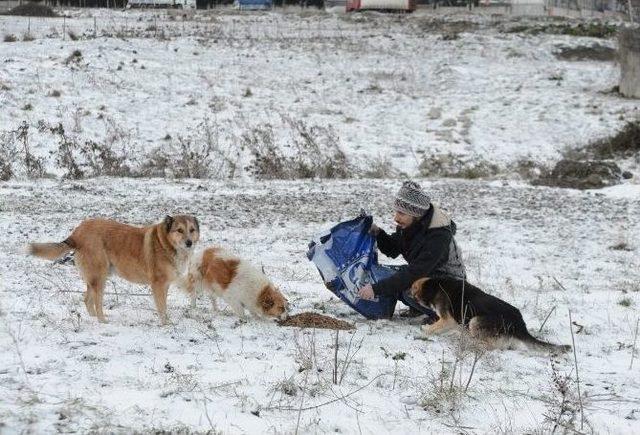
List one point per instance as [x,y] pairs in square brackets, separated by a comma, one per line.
[435,248]
[389,245]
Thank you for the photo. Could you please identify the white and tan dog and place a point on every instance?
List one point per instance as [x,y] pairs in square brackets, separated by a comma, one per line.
[241,285]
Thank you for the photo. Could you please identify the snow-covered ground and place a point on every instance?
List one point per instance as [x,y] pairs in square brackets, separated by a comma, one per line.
[400,88]
[395,88]
[541,249]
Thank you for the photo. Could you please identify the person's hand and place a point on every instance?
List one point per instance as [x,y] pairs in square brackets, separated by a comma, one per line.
[374,230]
[366,293]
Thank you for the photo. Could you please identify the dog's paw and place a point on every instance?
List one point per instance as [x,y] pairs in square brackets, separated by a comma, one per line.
[427,329]
[165,321]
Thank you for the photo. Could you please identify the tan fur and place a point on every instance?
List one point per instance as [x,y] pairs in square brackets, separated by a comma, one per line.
[272,302]
[218,270]
[155,255]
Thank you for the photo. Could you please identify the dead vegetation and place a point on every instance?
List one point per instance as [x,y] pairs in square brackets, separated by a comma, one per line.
[207,152]
[32,9]
[593,29]
[597,52]
[448,388]
[454,166]
[310,151]
[581,174]
[16,156]
[623,144]
[594,165]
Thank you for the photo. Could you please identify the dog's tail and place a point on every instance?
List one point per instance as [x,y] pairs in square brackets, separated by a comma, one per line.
[51,251]
[534,343]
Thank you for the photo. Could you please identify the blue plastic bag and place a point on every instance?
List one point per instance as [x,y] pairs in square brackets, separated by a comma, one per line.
[347,258]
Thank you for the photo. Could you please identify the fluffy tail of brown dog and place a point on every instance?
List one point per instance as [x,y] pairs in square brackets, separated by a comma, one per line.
[50,251]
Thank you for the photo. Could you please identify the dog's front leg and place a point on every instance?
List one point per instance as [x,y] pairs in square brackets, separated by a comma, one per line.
[214,302]
[238,309]
[159,288]
[443,324]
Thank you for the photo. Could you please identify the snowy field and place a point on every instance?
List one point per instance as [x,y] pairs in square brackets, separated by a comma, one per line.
[541,249]
[394,90]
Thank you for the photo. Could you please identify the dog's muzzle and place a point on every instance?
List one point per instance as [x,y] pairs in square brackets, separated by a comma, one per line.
[189,243]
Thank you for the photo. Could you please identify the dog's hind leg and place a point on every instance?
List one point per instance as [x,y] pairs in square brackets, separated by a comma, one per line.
[192,298]
[214,302]
[238,308]
[94,270]
[98,291]
[89,298]
[493,331]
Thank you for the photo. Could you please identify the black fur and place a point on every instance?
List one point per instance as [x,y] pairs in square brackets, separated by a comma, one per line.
[168,222]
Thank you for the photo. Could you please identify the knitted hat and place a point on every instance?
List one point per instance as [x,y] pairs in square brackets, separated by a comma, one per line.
[412,200]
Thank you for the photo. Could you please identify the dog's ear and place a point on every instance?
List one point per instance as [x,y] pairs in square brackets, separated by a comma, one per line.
[266,299]
[196,223]
[417,288]
[168,221]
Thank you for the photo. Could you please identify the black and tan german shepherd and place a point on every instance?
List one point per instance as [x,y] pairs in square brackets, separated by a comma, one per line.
[487,317]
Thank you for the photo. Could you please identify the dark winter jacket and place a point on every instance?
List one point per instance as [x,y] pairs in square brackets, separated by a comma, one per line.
[429,248]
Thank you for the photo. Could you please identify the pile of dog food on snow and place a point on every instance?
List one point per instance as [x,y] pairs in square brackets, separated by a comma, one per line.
[315,320]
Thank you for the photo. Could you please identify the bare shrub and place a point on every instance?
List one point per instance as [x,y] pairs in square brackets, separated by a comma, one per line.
[529,169]
[192,159]
[7,155]
[156,164]
[10,38]
[269,162]
[28,37]
[15,152]
[34,166]
[455,166]
[201,155]
[102,159]
[449,387]
[74,58]
[80,159]
[380,167]
[67,154]
[310,151]
[562,402]
[578,174]
[624,143]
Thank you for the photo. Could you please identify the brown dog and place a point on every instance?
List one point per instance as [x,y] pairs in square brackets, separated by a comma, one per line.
[488,318]
[155,255]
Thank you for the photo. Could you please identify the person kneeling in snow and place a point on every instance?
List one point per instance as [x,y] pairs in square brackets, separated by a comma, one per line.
[424,237]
